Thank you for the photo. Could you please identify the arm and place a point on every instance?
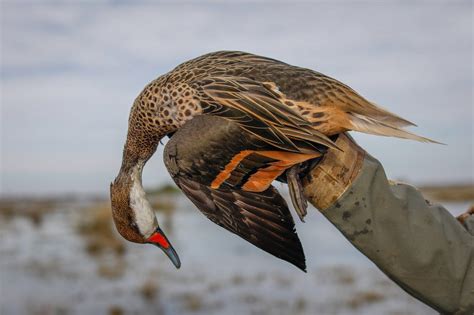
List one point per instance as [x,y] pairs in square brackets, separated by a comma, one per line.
[420,246]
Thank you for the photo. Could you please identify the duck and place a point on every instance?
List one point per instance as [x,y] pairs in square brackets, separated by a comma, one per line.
[237,122]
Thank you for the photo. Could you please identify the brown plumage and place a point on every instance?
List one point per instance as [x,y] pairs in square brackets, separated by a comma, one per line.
[276,115]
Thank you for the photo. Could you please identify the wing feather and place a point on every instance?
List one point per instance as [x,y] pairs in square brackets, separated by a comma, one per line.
[262,219]
[261,112]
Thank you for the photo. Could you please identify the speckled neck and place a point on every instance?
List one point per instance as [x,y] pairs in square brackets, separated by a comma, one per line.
[161,109]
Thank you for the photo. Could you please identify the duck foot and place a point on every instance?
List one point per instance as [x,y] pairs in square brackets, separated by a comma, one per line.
[296,191]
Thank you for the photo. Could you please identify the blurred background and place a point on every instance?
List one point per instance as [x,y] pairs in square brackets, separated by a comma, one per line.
[70,71]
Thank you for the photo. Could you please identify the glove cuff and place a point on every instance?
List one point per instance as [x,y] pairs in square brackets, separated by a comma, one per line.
[334,173]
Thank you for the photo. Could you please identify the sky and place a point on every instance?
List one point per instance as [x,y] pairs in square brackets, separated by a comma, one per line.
[71,70]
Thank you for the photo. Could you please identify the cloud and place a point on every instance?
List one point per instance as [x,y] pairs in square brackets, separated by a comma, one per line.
[70,73]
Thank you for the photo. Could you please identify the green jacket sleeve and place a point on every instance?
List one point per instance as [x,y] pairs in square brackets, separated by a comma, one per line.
[419,245]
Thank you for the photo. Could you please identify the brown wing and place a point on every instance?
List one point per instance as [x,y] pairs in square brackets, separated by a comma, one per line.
[298,84]
[218,153]
[331,106]
[226,172]
[259,110]
[262,219]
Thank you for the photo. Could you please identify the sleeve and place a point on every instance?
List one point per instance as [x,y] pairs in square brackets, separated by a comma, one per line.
[419,245]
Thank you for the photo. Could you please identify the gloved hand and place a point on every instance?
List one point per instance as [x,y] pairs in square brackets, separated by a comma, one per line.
[419,245]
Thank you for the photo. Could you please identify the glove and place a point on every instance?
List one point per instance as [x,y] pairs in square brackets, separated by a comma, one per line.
[330,178]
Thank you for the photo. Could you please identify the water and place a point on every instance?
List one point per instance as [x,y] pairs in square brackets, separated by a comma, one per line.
[45,269]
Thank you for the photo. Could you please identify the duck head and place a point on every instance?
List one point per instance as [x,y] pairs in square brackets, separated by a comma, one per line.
[133,215]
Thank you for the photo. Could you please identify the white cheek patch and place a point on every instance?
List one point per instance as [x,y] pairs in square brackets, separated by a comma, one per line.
[144,215]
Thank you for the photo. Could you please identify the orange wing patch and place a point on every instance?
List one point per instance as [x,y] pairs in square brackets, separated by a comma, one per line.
[262,179]
[229,168]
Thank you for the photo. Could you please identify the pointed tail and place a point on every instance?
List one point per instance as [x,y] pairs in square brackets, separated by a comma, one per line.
[384,124]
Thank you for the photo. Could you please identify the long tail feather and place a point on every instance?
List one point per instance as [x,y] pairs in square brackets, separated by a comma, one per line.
[382,127]
[388,117]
